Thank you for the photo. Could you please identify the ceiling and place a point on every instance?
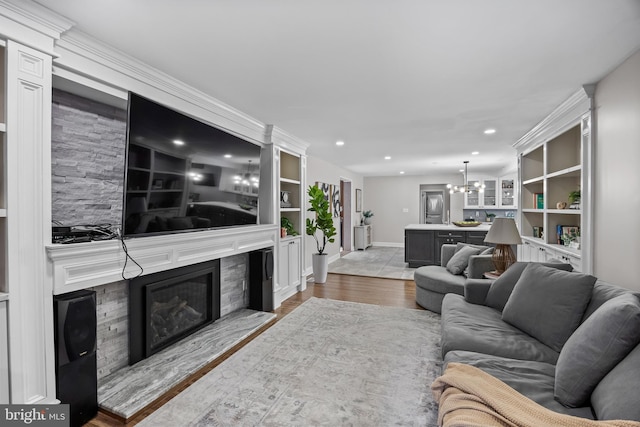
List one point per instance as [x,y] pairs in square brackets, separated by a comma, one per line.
[417,80]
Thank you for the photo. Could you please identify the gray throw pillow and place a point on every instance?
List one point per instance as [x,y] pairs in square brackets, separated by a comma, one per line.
[603,340]
[616,397]
[548,303]
[501,289]
[460,259]
[460,245]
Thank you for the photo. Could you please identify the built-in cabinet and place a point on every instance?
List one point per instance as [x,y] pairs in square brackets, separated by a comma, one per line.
[554,160]
[362,237]
[289,164]
[498,193]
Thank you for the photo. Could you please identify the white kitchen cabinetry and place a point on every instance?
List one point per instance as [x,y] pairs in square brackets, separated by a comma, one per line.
[486,199]
[554,159]
[507,192]
[362,236]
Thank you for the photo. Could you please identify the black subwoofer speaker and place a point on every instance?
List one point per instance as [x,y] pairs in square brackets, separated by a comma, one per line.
[75,340]
[261,280]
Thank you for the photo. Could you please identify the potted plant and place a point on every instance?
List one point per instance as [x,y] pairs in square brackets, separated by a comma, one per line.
[489,216]
[367,217]
[322,223]
[287,226]
[574,199]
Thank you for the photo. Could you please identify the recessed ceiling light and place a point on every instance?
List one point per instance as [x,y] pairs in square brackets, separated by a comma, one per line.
[227,156]
[387,157]
[339,143]
[178,142]
[401,172]
[489,131]
[460,170]
[475,153]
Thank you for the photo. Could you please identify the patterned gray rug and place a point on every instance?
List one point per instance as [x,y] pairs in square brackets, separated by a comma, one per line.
[376,261]
[327,363]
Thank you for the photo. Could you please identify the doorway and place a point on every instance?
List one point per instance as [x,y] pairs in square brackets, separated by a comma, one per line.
[346,229]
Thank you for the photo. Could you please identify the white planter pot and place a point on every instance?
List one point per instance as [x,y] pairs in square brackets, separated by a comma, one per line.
[320,264]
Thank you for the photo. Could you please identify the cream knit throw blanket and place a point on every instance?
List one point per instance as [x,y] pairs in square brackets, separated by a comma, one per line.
[470,397]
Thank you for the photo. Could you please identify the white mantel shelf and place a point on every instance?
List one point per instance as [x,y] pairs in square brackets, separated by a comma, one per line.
[83,265]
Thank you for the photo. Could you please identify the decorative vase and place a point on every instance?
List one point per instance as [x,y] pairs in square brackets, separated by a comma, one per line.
[320,265]
[561,205]
[367,221]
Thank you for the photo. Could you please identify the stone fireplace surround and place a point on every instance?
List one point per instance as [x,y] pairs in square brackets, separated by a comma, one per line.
[87,156]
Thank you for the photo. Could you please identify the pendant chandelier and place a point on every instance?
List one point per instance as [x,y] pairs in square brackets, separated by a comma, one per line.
[466,187]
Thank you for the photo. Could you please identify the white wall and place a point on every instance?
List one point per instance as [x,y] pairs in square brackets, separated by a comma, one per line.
[388,197]
[319,170]
[617,176]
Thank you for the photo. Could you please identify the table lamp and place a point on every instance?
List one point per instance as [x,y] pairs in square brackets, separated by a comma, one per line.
[503,233]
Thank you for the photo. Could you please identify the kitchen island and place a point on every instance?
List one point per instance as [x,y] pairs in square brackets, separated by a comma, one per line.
[422,242]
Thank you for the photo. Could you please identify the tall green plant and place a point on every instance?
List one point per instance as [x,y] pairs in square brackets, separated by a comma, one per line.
[323,221]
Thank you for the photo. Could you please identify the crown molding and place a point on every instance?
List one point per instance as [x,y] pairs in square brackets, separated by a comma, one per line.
[32,24]
[562,118]
[282,139]
[94,59]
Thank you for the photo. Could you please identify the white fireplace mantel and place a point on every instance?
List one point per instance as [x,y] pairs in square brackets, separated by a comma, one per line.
[76,266]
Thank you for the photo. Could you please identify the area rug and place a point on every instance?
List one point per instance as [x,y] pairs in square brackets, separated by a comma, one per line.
[326,363]
[376,261]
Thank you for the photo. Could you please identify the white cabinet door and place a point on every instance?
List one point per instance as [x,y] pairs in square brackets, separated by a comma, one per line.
[289,263]
[506,189]
[487,198]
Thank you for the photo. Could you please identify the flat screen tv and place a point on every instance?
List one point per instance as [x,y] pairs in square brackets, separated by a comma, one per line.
[182,174]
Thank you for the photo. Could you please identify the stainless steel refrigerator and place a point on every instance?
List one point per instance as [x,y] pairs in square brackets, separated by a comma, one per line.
[433,207]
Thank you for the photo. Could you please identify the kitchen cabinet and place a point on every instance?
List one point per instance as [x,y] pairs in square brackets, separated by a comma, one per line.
[555,159]
[419,247]
[362,237]
[488,198]
[507,189]
[422,246]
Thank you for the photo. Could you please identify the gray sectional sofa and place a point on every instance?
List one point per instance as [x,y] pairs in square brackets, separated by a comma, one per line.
[433,282]
[566,340]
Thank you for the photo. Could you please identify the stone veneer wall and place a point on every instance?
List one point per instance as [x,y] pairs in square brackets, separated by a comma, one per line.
[88,141]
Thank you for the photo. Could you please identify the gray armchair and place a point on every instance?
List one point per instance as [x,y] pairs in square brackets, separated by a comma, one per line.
[433,282]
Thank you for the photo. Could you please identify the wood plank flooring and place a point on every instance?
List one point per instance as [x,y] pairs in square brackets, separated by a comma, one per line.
[369,290]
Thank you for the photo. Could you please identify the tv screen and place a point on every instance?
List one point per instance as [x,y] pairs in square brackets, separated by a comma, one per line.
[182,174]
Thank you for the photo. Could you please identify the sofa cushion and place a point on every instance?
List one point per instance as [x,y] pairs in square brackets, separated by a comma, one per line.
[548,303]
[503,286]
[616,396]
[460,259]
[479,328]
[602,341]
[534,380]
[603,292]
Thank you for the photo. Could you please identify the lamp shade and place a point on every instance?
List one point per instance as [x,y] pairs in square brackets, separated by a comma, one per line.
[503,231]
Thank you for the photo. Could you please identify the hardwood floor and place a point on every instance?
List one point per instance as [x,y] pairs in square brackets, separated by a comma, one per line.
[369,290]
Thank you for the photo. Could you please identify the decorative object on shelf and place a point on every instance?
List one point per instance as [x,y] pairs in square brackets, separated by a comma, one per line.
[287,225]
[358,200]
[570,236]
[503,233]
[561,205]
[284,199]
[538,232]
[538,200]
[489,216]
[367,217]
[466,223]
[574,199]
[323,223]
[466,187]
